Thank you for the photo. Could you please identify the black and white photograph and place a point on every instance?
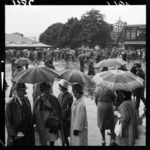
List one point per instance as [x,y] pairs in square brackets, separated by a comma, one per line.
[75,75]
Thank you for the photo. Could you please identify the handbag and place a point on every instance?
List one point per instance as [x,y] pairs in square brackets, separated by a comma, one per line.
[118,128]
[52,122]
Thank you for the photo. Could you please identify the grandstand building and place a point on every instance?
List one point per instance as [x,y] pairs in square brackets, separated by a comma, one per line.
[135,36]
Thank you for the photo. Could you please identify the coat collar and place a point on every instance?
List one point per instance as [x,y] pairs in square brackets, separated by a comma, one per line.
[78,101]
[18,99]
[139,71]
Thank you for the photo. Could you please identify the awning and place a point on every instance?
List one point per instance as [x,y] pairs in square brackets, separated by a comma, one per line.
[135,42]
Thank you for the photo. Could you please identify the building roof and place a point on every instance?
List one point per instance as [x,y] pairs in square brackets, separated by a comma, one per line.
[16,40]
[135,25]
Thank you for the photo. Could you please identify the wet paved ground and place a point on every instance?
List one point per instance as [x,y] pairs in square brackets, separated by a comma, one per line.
[94,136]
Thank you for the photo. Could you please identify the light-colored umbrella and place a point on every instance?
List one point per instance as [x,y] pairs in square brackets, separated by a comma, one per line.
[110,63]
[76,76]
[25,50]
[81,56]
[23,61]
[36,74]
[118,80]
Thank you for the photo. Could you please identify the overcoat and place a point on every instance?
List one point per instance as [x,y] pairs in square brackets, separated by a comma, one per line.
[40,122]
[91,70]
[66,99]
[139,92]
[18,118]
[104,99]
[129,124]
[79,122]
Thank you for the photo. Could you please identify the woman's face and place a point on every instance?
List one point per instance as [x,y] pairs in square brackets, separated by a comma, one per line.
[76,94]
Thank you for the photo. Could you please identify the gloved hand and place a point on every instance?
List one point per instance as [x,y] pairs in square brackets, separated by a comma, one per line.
[116,113]
[76,132]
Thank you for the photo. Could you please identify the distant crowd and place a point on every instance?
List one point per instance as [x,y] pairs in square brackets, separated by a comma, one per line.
[72,55]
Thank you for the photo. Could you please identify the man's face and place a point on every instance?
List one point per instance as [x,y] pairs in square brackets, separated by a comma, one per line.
[76,94]
[21,92]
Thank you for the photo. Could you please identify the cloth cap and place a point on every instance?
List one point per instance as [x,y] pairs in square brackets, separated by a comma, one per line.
[77,87]
[63,83]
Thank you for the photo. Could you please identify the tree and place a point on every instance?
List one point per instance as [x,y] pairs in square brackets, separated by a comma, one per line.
[51,35]
[90,30]
[69,35]
[95,30]
[117,33]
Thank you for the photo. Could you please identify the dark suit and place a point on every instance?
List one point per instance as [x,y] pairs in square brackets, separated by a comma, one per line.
[66,99]
[18,118]
[139,92]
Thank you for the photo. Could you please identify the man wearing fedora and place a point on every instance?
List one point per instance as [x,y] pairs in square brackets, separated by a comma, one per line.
[18,118]
[139,92]
[65,99]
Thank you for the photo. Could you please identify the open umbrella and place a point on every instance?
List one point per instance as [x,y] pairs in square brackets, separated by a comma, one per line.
[82,56]
[36,74]
[110,63]
[118,80]
[25,50]
[23,61]
[76,76]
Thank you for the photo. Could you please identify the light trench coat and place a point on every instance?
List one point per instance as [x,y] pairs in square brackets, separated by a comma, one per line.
[79,122]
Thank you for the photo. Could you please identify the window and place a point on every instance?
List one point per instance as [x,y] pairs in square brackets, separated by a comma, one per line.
[128,34]
[139,32]
[133,34]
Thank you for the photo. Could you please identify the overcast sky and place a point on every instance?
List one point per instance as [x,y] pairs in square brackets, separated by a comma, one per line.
[33,20]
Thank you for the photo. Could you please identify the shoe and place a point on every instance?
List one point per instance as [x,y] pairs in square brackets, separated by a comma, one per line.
[113,144]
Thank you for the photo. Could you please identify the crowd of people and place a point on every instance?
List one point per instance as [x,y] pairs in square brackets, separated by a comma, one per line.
[72,55]
[66,115]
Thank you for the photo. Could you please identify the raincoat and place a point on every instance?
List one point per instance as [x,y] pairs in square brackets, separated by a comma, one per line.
[18,118]
[91,70]
[79,122]
[129,124]
[66,99]
[40,121]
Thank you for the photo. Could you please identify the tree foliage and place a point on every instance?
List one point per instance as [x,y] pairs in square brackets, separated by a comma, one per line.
[51,36]
[90,30]
[117,33]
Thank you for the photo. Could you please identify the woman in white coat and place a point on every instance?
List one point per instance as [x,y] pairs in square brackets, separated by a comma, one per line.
[79,123]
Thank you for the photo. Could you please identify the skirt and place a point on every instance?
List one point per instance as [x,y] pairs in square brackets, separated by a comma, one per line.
[105,115]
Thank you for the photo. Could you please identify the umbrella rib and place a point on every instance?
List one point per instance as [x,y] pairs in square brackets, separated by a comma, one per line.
[20,76]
